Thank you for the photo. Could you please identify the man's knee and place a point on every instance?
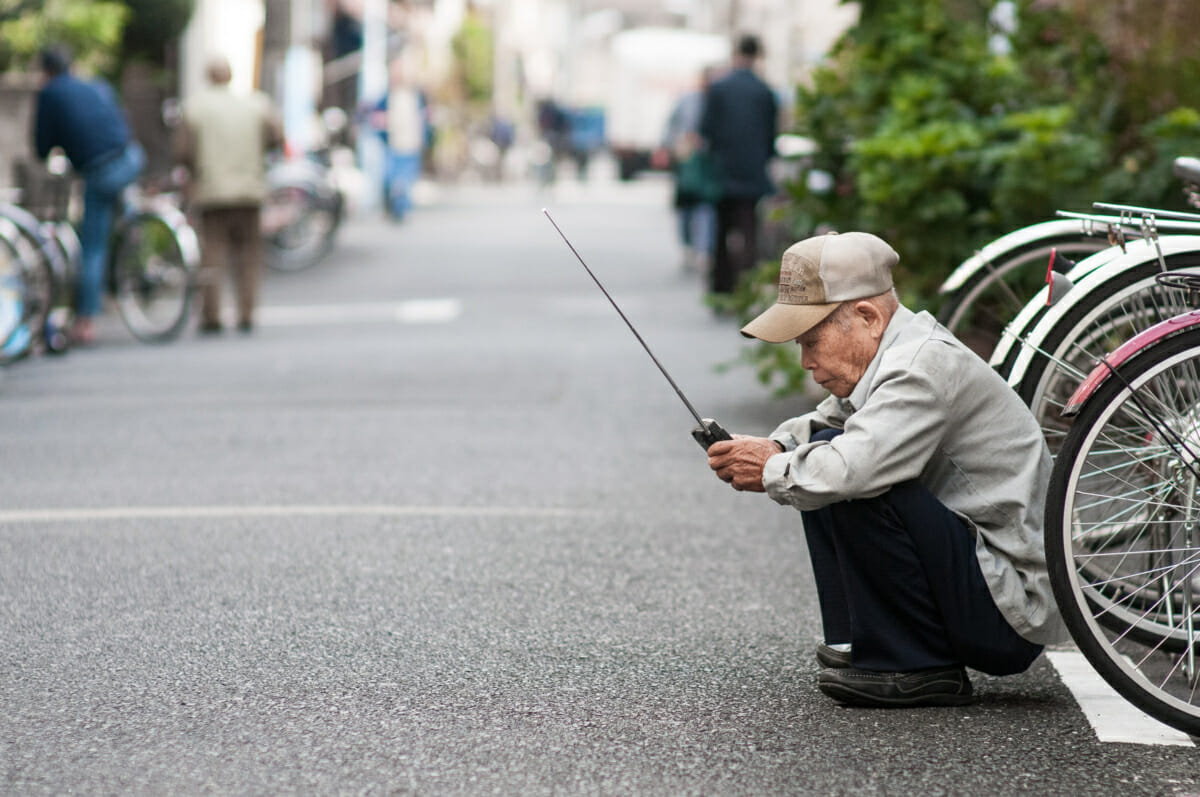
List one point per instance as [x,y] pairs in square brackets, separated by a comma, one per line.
[824,435]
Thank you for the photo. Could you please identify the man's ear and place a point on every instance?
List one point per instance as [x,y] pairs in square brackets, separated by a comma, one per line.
[872,316]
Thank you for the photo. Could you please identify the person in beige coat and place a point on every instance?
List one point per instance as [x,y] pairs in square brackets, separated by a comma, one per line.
[223,142]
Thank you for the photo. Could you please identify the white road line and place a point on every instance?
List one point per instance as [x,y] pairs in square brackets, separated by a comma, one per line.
[1112,717]
[277,510]
[413,311]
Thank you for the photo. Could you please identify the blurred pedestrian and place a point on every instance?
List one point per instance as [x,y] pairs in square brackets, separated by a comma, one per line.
[223,141]
[739,124]
[85,120]
[400,118]
[553,126]
[697,183]
[503,135]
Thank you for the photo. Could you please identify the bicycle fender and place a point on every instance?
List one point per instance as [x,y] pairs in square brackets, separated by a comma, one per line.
[1030,316]
[177,221]
[1035,321]
[999,248]
[1135,345]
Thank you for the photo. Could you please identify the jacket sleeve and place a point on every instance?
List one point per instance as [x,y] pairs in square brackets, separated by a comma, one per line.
[797,431]
[887,442]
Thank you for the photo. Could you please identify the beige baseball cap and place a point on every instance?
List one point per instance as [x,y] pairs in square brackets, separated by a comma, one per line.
[818,274]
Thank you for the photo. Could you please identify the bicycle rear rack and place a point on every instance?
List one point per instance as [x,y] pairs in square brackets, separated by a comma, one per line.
[1135,221]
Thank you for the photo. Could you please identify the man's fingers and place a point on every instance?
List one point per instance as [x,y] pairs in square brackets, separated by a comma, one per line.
[720,448]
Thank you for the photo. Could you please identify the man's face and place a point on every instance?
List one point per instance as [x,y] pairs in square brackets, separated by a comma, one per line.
[838,350]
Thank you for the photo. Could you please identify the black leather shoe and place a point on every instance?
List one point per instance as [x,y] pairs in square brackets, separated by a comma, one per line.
[832,658]
[944,686]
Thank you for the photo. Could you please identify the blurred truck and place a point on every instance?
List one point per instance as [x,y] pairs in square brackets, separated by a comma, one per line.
[651,69]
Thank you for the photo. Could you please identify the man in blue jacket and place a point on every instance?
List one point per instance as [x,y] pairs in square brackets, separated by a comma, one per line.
[84,119]
[739,125]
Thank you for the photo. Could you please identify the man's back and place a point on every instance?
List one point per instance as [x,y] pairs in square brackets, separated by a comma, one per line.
[82,117]
[229,134]
[739,124]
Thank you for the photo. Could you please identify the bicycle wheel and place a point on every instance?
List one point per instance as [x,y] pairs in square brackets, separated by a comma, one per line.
[978,311]
[1114,310]
[37,259]
[1121,544]
[152,277]
[15,335]
[298,227]
[29,285]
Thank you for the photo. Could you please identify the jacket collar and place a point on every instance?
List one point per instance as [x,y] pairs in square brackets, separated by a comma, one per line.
[858,397]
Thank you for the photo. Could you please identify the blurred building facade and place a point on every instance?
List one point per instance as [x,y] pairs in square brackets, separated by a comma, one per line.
[308,54]
[298,50]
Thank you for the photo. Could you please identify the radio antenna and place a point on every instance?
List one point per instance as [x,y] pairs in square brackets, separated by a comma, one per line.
[628,323]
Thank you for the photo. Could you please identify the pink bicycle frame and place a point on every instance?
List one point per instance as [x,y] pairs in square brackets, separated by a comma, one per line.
[1142,340]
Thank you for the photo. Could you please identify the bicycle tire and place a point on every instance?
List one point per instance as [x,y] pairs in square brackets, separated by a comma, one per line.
[979,310]
[153,276]
[1122,549]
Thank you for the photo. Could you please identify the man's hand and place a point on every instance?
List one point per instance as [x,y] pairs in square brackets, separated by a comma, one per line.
[740,461]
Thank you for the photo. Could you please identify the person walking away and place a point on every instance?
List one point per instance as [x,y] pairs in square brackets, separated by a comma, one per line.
[401,122]
[85,120]
[739,124]
[921,483]
[223,142]
[697,185]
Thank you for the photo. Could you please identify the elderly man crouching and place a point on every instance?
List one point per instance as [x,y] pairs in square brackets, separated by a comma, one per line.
[920,481]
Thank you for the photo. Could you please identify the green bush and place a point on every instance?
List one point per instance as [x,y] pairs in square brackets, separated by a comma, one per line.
[102,34]
[939,143]
[90,28]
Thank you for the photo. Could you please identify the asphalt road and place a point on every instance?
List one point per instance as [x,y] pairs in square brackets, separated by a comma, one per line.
[437,527]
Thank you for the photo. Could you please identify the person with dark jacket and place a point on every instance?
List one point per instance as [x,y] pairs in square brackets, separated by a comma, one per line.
[739,125]
[84,119]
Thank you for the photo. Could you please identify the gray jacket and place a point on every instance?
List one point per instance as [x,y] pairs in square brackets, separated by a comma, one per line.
[928,409]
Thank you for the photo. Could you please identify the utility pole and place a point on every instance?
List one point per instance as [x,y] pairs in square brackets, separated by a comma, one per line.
[277,35]
[372,84]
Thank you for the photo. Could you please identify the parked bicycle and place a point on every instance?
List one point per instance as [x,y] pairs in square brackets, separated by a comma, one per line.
[990,288]
[15,330]
[987,291]
[302,213]
[1121,534]
[40,268]
[154,261]
[1123,516]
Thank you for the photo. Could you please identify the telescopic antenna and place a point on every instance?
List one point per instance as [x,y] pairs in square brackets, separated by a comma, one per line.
[628,323]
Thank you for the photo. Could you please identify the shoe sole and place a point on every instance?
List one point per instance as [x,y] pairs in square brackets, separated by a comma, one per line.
[853,697]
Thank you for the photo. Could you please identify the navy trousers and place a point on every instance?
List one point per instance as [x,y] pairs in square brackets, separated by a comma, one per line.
[897,578]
